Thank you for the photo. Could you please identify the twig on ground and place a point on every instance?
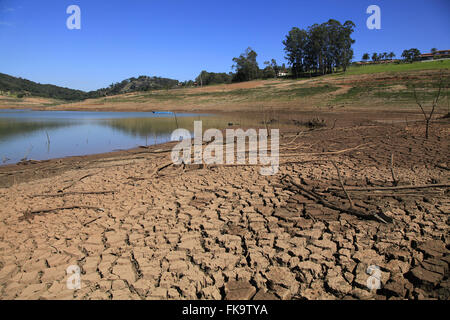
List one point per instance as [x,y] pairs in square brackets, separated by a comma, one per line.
[324,153]
[61,194]
[342,183]
[27,215]
[394,178]
[319,199]
[78,180]
[395,188]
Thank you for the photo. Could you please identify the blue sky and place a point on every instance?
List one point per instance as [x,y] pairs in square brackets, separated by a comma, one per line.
[178,38]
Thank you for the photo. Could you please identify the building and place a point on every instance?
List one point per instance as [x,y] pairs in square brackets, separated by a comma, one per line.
[442,54]
[439,54]
[426,56]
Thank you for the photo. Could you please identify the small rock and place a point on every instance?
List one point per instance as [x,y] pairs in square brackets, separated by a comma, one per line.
[425,279]
[239,290]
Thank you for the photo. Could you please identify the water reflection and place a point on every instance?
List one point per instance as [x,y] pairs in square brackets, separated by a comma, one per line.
[149,127]
[40,135]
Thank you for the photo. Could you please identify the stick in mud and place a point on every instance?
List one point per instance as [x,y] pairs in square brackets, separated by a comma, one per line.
[342,183]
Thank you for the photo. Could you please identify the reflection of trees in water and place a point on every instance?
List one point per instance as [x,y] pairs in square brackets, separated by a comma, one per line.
[10,128]
[145,127]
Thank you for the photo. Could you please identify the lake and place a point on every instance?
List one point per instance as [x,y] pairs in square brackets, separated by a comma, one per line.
[42,135]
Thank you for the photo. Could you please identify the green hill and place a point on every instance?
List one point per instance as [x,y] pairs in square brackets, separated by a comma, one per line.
[23,87]
[20,87]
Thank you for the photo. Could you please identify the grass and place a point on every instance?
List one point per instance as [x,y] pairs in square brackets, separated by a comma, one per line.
[263,93]
[394,67]
[308,91]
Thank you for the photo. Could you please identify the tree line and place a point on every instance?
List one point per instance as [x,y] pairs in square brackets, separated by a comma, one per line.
[22,87]
[408,55]
[320,49]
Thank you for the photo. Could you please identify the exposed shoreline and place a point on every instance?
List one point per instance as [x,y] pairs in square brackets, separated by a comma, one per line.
[185,232]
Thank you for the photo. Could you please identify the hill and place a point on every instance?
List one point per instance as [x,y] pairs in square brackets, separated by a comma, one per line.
[22,88]
[372,91]
[384,84]
[142,83]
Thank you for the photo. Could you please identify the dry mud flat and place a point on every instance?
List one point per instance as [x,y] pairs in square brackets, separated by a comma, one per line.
[227,232]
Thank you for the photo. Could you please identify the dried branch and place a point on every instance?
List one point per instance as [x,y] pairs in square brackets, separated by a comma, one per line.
[394,178]
[319,199]
[27,215]
[62,194]
[423,186]
[342,184]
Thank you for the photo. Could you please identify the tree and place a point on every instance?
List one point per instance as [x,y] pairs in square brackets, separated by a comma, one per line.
[207,78]
[391,55]
[268,71]
[411,55]
[433,50]
[275,67]
[295,48]
[365,57]
[374,57]
[246,66]
[345,55]
[428,116]
[321,48]
[271,70]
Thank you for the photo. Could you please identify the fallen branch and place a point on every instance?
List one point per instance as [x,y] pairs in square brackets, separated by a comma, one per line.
[342,184]
[405,194]
[325,203]
[158,169]
[61,194]
[394,178]
[27,215]
[90,221]
[423,186]
[442,167]
[323,153]
[80,179]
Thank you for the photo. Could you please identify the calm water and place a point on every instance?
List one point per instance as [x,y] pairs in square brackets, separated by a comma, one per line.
[41,135]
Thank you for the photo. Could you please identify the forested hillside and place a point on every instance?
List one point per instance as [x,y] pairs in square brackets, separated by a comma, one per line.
[22,87]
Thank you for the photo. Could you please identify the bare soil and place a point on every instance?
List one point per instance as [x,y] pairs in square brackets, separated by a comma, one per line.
[227,232]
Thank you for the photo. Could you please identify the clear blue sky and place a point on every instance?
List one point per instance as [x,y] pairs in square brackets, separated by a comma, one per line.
[179,38]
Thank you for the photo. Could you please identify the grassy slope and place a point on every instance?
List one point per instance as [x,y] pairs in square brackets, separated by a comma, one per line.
[384,85]
[393,67]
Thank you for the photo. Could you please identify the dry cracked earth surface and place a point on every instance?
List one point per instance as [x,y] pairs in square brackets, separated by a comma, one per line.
[227,232]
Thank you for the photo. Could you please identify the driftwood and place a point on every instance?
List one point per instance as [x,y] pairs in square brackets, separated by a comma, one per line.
[423,186]
[323,153]
[90,221]
[442,167]
[78,180]
[394,178]
[342,184]
[61,194]
[374,216]
[158,169]
[394,194]
[29,214]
